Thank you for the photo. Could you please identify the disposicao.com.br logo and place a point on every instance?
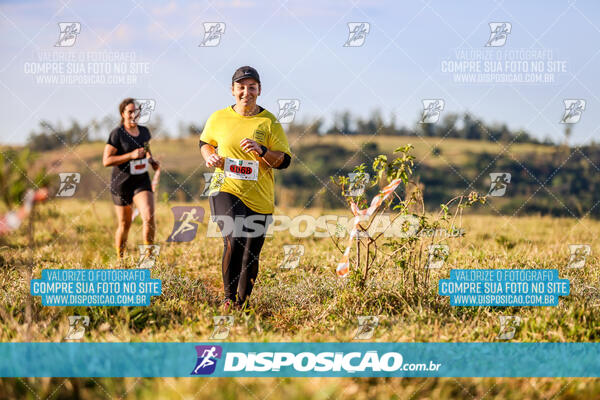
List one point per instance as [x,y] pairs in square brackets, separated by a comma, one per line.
[275,363]
[207,359]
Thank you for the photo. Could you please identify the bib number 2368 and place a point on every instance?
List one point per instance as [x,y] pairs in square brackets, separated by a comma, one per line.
[241,169]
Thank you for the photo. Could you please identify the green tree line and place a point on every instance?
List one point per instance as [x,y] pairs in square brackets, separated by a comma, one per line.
[51,136]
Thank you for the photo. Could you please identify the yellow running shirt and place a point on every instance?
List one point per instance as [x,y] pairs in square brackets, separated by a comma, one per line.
[225,129]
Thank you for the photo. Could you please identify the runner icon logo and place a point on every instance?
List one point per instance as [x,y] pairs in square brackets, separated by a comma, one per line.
[148,255]
[144,109]
[291,255]
[68,183]
[212,34]
[68,33]
[438,254]
[432,108]
[357,183]
[77,324]
[508,326]
[579,253]
[500,181]
[223,324]
[498,34]
[358,33]
[207,359]
[212,181]
[366,327]
[186,221]
[287,110]
[573,110]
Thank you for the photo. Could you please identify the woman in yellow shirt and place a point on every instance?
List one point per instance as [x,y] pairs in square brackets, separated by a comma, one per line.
[244,143]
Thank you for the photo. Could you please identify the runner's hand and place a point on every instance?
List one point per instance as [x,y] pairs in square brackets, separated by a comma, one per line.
[249,145]
[137,153]
[155,164]
[214,160]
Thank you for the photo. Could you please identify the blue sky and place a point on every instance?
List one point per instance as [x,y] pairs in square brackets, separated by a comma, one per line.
[297,46]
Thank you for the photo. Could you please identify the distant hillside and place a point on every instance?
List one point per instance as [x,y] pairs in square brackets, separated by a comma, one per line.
[545,179]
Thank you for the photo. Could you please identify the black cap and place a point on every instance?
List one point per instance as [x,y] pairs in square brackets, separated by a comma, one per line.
[245,72]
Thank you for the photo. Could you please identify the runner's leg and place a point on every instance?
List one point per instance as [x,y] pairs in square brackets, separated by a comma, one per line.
[123,225]
[144,201]
[227,206]
[249,273]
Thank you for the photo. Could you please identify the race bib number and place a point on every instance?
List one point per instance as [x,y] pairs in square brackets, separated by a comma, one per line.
[241,169]
[137,167]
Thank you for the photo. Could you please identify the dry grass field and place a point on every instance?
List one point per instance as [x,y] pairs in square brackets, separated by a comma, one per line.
[308,303]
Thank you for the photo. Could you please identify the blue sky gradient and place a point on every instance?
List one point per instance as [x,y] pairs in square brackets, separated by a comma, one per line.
[297,46]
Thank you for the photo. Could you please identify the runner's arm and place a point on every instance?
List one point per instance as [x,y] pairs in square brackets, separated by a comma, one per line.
[155,164]
[273,158]
[110,157]
[277,159]
[211,158]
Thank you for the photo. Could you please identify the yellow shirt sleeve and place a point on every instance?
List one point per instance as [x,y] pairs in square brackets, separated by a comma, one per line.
[277,139]
[208,134]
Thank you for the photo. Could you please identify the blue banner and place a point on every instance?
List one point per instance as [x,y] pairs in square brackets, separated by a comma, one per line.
[504,287]
[96,287]
[221,359]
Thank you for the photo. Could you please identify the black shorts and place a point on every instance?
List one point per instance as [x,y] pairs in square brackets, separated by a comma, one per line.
[124,186]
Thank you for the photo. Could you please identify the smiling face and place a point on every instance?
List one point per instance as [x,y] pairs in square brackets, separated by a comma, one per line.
[245,91]
[129,115]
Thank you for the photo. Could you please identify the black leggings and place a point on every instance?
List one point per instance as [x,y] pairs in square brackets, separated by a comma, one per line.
[240,249]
